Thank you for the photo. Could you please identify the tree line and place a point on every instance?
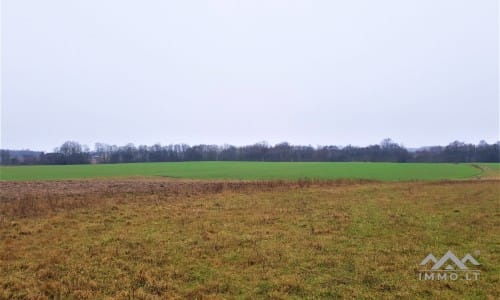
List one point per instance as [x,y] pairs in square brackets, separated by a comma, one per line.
[387,151]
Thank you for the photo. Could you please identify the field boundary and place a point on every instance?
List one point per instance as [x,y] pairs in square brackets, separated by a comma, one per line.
[33,198]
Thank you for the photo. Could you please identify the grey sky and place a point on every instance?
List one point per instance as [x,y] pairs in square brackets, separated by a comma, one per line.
[422,72]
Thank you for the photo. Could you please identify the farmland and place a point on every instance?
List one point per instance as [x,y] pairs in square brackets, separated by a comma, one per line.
[249,171]
[156,238]
[224,230]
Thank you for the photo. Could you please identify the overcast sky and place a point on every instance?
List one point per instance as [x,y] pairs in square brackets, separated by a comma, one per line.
[422,72]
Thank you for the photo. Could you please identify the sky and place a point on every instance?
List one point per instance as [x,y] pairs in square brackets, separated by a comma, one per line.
[422,72]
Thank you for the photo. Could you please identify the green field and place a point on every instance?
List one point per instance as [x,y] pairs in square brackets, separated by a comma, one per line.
[249,171]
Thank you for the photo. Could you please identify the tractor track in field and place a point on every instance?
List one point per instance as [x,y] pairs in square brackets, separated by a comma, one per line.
[480,168]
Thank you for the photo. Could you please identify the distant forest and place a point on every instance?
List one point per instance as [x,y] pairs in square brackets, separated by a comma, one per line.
[387,151]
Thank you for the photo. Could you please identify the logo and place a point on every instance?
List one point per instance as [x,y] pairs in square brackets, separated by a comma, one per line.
[449,267]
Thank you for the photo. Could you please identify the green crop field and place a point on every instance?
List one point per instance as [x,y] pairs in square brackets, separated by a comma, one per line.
[251,171]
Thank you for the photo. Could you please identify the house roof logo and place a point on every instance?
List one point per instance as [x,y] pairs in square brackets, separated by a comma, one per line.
[449,262]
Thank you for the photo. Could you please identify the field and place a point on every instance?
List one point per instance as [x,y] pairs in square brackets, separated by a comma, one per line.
[157,237]
[249,171]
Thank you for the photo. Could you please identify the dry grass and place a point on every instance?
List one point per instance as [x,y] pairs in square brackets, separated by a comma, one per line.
[30,198]
[149,239]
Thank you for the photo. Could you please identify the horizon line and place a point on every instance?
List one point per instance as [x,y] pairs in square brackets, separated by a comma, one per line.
[263,142]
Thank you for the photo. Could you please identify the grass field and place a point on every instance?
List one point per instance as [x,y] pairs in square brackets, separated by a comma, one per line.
[162,238]
[158,234]
[249,171]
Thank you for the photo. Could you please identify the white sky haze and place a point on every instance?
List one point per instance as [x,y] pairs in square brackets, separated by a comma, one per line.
[421,72]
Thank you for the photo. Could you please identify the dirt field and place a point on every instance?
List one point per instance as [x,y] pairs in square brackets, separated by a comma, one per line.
[155,238]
